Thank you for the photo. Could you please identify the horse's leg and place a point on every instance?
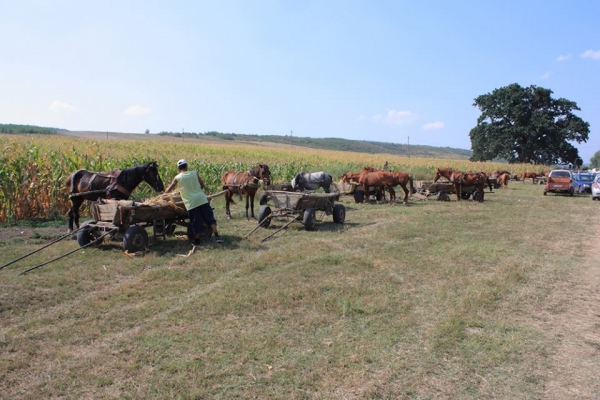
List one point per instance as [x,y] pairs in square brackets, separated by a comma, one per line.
[74,213]
[228,195]
[406,191]
[457,190]
[249,204]
[326,187]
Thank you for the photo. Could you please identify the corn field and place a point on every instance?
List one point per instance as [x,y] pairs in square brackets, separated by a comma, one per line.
[33,169]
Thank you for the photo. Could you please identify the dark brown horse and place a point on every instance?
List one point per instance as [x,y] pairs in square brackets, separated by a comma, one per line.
[246,183]
[528,175]
[460,179]
[370,177]
[118,184]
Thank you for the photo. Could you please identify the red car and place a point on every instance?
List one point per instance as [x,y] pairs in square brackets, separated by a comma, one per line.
[559,181]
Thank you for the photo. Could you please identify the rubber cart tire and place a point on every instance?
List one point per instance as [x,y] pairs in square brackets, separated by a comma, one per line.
[88,235]
[339,213]
[309,219]
[359,196]
[135,239]
[263,214]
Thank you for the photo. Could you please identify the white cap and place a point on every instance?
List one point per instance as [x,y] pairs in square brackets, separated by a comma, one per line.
[181,162]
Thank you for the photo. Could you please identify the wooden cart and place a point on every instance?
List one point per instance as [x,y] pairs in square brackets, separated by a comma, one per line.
[299,207]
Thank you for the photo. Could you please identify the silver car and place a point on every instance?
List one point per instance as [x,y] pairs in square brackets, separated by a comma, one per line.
[596,188]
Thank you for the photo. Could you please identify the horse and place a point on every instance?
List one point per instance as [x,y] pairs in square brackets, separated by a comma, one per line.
[370,177]
[527,175]
[312,181]
[118,184]
[244,183]
[460,179]
[503,180]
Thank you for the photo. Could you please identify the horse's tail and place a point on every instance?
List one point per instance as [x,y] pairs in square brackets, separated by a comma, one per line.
[71,183]
[412,187]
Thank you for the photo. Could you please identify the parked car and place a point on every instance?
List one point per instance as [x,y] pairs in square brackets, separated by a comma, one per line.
[582,182]
[560,181]
[596,188]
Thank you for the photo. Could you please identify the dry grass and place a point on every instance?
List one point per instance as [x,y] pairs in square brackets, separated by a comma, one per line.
[430,300]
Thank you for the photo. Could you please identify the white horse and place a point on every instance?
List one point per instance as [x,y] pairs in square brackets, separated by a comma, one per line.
[312,181]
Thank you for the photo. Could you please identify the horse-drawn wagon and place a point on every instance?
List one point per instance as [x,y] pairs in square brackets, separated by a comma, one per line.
[442,190]
[127,220]
[301,207]
[357,191]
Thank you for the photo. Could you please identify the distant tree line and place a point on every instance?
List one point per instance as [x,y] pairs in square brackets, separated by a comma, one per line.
[20,129]
[359,146]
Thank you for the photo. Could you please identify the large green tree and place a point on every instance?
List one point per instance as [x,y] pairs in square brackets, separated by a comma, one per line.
[527,125]
[595,160]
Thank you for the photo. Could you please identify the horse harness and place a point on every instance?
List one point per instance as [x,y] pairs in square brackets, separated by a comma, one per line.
[114,185]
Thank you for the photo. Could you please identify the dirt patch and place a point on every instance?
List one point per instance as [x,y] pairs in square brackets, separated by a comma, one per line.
[575,366]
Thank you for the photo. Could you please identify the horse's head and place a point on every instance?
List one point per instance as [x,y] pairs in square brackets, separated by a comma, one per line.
[264,173]
[152,177]
[344,177]
[437,175]
[297,181]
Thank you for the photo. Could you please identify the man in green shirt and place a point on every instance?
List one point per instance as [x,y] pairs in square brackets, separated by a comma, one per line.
[195,201]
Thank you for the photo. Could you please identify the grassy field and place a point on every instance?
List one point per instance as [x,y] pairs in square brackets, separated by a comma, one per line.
[426,301]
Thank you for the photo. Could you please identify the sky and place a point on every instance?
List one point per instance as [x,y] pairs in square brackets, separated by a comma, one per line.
[390,71]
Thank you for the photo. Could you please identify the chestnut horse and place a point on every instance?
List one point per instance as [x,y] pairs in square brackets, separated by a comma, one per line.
[527,175]
[460,179]
[371,177]
[245,183]
[118,184]
[503,180]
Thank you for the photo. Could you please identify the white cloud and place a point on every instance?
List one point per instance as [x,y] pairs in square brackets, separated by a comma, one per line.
[398,117]
[58,106]
[433,125]
[376,117]
[563,58]
[594,55]
[547,75]
[361,118]
[136,111]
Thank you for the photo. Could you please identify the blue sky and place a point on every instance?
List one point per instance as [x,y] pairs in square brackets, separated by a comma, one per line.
[391,71]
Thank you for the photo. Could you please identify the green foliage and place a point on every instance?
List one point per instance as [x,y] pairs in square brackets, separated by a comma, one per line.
[527,125]
[595,160]
[20,129]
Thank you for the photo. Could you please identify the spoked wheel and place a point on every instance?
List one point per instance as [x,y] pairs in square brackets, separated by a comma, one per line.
[339,213]
[263,215]
[135,239]
[443,196]
[89,234]
[309,219]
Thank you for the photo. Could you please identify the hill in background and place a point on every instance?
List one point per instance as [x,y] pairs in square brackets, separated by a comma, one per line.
[359,146]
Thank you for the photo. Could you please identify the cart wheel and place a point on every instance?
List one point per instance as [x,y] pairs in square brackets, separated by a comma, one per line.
[379,195]
[135,239]
[263,214]
[262,200]
[339,213]
[204,235]
[476,195]
[309,219]
[170,230]
[88,235]
[359,196]
[466,195]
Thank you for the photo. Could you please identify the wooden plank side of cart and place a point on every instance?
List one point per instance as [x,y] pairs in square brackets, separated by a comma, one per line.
[298,201]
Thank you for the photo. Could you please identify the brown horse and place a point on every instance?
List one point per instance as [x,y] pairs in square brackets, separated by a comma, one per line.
[244,183]
[118,184]
[528,175]
[460,179]
[352,177]
[371,177]
[503,180]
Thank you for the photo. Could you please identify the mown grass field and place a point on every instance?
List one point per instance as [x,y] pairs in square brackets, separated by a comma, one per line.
[430,300]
